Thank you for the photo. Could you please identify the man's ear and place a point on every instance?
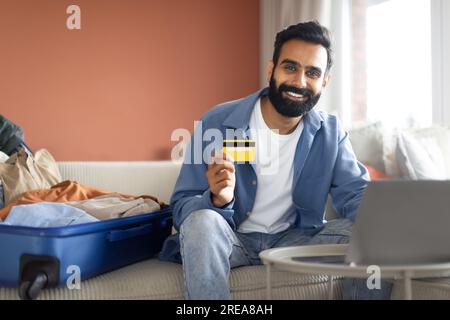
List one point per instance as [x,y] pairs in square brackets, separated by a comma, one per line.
[326,79]
[270,67]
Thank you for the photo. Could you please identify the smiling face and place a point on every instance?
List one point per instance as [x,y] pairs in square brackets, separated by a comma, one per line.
[297,80]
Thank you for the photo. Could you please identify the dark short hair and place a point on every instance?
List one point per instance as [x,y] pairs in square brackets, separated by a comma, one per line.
[311,31]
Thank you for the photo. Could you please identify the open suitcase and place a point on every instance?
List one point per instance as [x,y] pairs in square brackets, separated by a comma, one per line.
[37,258]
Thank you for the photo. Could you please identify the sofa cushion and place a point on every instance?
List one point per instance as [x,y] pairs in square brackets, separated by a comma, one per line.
[376,145]
[154,279]
[420,157]
[367,142]
[441,137]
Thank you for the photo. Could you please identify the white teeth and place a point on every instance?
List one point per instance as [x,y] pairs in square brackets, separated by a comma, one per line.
[295,95]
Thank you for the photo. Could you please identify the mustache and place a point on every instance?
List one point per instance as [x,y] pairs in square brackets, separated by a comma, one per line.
[303,91]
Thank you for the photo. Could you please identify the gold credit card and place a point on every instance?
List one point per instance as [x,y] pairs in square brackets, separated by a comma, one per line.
[240,150]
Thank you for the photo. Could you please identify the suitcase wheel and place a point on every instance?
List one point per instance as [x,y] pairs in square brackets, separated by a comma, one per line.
[36,274]
[30,290]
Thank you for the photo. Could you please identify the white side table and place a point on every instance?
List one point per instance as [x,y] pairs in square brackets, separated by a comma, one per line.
[282,259]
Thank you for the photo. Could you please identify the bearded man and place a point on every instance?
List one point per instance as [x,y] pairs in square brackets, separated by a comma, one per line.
[227,212]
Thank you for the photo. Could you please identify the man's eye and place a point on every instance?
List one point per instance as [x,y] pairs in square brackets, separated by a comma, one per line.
[290,68]
[313,74]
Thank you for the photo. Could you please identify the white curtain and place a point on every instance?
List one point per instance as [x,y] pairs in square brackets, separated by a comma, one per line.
[335,15]
[440,17]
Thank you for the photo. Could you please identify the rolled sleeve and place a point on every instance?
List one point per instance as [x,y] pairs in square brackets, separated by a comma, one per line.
[192,191]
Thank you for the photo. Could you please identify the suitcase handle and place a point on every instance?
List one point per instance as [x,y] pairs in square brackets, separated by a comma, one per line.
[118,235]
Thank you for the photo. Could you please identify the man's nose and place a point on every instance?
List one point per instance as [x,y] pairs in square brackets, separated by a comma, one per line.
[300,80]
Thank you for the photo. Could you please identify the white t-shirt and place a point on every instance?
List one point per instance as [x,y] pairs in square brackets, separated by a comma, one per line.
[274,209]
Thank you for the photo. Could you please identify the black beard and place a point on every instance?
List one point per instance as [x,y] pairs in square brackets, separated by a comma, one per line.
[289,108]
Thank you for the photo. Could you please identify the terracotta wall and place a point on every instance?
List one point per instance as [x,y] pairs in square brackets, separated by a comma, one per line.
[137,70]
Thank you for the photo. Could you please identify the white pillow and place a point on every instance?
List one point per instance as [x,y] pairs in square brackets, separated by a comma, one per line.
[420,158]
[367,142]
[441,136]
[390,138]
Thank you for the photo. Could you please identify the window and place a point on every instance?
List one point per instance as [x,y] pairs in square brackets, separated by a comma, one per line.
[399,63]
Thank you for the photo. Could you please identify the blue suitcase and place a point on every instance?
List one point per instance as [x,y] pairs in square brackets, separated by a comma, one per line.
[37,258]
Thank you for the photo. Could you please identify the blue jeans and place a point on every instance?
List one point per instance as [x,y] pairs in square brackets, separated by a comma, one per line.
[210,248]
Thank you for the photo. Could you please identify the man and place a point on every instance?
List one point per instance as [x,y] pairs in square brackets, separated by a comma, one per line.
[226,213]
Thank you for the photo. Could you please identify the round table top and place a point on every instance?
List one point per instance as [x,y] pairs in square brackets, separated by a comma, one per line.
[289,259]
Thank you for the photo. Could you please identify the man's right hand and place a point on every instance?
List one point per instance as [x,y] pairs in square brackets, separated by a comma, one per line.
[221,179]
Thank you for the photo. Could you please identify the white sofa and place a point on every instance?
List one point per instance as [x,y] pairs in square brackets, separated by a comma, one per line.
[153,279]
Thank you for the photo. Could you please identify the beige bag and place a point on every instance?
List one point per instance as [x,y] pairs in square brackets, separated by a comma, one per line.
[23,173]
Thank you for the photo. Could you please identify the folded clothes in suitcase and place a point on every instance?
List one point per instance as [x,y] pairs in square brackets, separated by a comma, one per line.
[37,258]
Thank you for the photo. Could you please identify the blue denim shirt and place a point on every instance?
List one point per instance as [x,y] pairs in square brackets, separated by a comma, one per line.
[324,164]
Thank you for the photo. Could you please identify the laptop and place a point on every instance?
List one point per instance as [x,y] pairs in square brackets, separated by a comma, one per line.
[402,222]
